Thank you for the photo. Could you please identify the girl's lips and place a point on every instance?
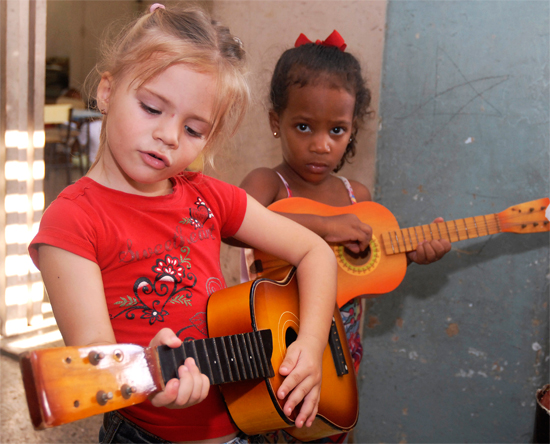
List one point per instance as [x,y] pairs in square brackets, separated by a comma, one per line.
[317,167]
[154,160]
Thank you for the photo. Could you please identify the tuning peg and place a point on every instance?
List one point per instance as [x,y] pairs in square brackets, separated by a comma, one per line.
[95,357]
[127,391]
[103,397]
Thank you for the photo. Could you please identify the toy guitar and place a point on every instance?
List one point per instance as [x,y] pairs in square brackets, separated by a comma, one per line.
[250,327]
[381,268]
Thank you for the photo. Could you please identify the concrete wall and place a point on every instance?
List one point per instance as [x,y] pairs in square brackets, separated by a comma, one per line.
[457,352]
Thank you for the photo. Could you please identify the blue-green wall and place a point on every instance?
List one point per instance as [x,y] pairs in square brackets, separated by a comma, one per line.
[456,353]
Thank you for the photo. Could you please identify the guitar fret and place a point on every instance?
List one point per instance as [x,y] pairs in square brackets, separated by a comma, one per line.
[265,354]
[224,361]
[254,368]
[456,229]
[259,355]
[487,225]
[466,227]
[257,359]
[410,239]
[191,352]
[439,231]
[206,368]
[214,358]
[475,225]
[416,234]
[404,241]
[431,234]
[245,362]
[232,359]
[391,243]
[448,232]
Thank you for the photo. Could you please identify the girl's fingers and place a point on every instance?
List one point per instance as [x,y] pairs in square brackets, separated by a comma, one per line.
[194,385]
[165,337]
[190,389]
[168,395]
[309,396]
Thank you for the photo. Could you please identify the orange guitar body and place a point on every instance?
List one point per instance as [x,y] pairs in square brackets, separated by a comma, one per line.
[274,304]
[384,265]
[368,276]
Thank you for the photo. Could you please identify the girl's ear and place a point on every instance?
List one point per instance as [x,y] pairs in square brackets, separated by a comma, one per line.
[104,90]
[274,122]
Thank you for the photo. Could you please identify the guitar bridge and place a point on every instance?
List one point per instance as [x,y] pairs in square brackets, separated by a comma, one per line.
[337,350]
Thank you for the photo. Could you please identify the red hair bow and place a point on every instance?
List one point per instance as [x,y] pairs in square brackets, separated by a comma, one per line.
[335,39]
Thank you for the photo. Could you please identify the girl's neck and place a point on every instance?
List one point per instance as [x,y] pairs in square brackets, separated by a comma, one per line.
[329,190]
[121,182]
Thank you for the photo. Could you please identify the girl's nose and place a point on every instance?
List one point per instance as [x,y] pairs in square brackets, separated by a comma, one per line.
[320,144]
[167,131]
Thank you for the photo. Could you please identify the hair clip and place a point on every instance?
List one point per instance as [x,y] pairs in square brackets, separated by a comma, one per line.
[334,39]
[238,40]
[156,6]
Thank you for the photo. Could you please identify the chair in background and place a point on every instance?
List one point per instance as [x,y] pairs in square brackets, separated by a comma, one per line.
[59,137]
[78,109]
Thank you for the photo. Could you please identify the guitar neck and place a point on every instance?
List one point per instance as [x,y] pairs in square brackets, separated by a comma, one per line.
[408,239]
[524,218]
[222,359]
[69,383]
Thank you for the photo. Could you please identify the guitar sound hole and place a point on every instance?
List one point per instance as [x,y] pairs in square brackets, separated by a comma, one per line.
[358,259]
[290,336]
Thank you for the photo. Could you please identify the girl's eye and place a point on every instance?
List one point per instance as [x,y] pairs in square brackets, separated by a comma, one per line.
[338,130]
[149,110]
[302,127]
[193,133]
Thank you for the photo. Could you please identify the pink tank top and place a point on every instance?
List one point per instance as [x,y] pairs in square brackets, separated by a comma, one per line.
[343,179]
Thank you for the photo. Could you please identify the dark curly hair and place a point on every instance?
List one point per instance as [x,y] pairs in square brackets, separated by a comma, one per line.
[312,64]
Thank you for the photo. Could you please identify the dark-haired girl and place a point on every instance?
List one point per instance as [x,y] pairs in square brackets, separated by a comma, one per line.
[318,101]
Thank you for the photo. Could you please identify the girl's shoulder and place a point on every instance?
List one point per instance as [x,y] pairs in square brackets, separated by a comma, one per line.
[360,191]
[263,184]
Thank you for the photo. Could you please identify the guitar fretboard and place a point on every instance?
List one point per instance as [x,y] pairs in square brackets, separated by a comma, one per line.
[223,359]
[407,239]
[523,218]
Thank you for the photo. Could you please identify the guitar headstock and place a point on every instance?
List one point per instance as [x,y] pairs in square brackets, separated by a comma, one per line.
[69,383]
[528,217]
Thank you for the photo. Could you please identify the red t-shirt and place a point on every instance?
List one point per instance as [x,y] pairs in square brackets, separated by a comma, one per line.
[160,261]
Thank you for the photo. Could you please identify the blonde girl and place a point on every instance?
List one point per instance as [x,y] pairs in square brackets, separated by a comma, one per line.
[131,252]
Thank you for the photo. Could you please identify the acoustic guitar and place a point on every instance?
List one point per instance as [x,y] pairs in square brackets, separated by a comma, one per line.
[250,327]
[382,266]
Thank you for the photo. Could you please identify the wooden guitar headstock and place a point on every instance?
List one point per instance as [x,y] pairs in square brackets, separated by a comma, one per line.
[528,217]
[70,383]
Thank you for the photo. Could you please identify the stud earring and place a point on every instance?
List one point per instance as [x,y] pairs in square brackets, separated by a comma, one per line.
[103,111]
[275,133]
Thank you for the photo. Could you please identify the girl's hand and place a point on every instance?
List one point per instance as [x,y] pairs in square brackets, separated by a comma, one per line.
[348,230]
[429,251]
[190,389]
[302,367]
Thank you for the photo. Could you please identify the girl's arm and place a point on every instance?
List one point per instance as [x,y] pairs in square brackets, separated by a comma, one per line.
[75,289]
[426,252]
[264,185]
[316,273]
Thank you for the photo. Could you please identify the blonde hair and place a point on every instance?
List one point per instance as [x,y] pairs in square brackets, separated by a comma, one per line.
[157,40]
